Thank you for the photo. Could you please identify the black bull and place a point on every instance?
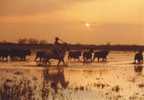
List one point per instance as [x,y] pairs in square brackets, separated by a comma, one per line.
[74,54]
[14,54]
[101,55]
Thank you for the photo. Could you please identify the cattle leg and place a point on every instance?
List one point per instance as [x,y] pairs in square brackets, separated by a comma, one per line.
[79,59]
[93,59]
[98,59]
[6,58]
[103,59]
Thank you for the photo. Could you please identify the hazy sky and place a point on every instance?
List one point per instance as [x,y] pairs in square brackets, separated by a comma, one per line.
[76,21]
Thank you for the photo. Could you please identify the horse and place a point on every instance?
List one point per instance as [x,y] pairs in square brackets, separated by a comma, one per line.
[56,53]
[101,55]
[75,54]
[87,55]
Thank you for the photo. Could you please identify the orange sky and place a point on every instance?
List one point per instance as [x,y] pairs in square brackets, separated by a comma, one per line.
[76,21]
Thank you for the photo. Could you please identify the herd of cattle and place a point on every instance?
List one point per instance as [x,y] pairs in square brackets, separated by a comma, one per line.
[14,54]
[44,56]
[87,56]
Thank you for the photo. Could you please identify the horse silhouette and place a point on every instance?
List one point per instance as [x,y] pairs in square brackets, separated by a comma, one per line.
[46,56]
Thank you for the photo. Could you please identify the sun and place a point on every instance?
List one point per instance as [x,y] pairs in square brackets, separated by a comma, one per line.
[87,25]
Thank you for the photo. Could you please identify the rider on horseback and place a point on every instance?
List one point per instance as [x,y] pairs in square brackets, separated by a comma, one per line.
[57,40]
[57,46]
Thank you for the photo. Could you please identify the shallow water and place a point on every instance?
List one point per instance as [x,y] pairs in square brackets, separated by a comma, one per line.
[114,80]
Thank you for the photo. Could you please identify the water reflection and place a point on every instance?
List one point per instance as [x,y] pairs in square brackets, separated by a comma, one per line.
[138,68]
[55,78]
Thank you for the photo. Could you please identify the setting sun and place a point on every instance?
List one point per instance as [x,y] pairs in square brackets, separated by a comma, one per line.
[87,25]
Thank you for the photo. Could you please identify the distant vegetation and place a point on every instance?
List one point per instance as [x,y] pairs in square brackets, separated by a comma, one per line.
[43,44]
[31,41]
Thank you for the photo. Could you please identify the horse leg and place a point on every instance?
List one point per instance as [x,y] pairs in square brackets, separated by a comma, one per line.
[63,62]
[48,62]
[59,62]
[36,58]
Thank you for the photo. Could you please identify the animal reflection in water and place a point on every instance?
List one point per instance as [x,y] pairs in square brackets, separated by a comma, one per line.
[55,79]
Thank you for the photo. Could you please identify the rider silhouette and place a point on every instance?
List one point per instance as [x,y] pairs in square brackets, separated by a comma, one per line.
[57,45]
[57,41]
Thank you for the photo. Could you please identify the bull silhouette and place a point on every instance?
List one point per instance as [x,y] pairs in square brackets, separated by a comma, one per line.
[101,55]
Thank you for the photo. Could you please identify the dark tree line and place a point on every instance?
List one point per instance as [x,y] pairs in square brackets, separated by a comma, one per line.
[31,41]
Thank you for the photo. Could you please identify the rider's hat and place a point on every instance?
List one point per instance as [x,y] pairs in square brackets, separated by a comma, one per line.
[56,38]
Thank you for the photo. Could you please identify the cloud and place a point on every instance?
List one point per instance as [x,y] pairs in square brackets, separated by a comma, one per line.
[26,7]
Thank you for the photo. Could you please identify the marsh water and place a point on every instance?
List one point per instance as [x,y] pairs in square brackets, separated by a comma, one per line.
[116,79]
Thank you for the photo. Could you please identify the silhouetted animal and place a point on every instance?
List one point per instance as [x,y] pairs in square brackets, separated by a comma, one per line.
[40,55]
[19,54]
[74,55]
[59,55]
[138,57]
[87,56]
[101,55]
[4,53]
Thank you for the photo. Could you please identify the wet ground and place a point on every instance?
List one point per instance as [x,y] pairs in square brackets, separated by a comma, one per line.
[116,79]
